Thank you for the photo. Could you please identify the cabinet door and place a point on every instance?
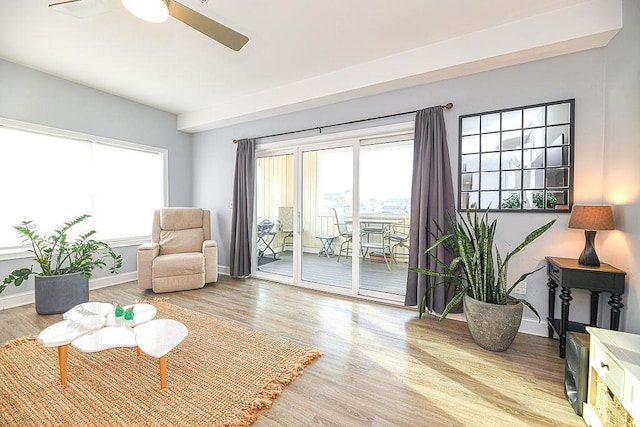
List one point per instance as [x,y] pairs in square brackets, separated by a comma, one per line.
[632,396]
[609,370]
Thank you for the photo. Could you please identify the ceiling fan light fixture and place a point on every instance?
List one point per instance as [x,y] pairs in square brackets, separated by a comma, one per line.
[149,10]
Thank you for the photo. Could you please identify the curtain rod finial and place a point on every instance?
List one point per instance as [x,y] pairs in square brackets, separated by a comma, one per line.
[448,105]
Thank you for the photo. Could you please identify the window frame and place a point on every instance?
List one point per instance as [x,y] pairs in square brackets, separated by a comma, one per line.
[17,252]
[545,188]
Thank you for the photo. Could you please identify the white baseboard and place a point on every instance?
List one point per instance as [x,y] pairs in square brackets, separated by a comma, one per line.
[527,326]
[114,279]
[15,300]
[533,327]
[28,297]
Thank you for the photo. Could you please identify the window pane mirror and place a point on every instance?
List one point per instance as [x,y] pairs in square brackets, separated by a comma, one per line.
[517,159]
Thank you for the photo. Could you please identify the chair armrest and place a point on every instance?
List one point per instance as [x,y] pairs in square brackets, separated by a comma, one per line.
[210,252]
[150,247]
[209,244]
[146,253]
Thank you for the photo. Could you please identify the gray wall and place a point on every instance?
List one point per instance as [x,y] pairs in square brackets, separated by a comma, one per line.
[605,83]
[622,153]
[31,96]
[580,76]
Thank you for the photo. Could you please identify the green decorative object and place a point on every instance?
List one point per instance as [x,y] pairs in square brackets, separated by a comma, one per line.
[60,257]
[551,200]
[511,202]
[478,270]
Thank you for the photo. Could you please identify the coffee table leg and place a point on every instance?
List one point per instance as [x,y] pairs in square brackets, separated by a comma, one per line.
[138,351]
[62,361]
[163,371]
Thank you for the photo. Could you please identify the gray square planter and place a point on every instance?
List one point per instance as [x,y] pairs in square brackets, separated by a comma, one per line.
[57,294]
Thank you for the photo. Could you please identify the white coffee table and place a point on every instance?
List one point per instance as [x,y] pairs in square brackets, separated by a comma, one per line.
[91,327]
[62,333]
[157,338]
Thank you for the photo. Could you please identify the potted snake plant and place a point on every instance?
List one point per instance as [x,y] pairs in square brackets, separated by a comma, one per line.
[478,273]
[66,264]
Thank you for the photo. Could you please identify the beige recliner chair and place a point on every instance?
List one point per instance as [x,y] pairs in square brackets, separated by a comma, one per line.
[181,255]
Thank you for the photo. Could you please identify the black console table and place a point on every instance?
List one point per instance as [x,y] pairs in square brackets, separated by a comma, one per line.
[568,274]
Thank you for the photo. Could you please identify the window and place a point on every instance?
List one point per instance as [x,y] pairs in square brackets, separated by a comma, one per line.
[517,159]
[50,179]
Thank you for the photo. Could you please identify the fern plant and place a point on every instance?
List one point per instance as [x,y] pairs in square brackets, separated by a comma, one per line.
[477,269]
[57,254]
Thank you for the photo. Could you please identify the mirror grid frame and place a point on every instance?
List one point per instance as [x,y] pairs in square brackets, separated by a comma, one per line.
[517,159]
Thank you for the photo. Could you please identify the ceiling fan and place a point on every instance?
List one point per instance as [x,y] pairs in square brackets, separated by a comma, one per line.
[158,11]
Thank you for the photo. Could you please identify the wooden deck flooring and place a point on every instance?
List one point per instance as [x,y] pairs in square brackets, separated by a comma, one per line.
[374,276]
[382,366]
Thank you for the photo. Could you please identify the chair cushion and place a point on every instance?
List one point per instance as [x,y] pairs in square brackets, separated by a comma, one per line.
[180,218]
[177,265]
[180,241]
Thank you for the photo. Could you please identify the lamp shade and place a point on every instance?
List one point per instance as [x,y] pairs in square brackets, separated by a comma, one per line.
[149,10]
[592,218]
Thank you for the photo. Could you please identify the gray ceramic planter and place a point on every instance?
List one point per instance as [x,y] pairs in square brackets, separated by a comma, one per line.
[57,294]
[492,326]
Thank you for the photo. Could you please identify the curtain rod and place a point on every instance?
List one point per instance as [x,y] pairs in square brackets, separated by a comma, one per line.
[447,106]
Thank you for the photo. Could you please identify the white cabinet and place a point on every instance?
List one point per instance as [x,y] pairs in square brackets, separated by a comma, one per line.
[614,370]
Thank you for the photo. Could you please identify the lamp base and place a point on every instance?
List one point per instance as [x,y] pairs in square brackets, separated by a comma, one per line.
[588,255]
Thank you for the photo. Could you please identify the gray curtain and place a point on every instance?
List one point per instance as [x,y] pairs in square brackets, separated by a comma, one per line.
[242,214]
[431,200]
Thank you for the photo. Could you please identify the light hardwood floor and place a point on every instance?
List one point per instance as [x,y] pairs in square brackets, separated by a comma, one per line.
[382,366]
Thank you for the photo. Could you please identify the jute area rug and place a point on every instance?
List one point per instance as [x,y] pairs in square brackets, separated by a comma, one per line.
[220,375]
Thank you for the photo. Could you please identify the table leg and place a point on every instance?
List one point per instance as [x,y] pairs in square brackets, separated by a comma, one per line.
[62,361]
[163,371]
[330,247]
[138,351]
[323,249]
[552,305]
[565,297]
[615,302]
[593,317]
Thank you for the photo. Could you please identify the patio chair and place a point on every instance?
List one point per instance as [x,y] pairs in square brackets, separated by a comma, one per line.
[285,225]
[399,235]
[265,235]
[344,232]
[384,246]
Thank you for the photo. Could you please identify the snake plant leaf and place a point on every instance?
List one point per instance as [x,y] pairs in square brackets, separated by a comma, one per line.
[422,307]
[457,298]
[475,269]
[528,304]
[530,238]
[521,278]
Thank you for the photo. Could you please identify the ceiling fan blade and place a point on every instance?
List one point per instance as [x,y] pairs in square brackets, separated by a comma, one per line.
[215,30]
[85,8]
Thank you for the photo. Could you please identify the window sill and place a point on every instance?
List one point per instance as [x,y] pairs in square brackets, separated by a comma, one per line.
[24,252]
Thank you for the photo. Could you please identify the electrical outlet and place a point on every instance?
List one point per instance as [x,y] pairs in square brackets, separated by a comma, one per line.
[521,288]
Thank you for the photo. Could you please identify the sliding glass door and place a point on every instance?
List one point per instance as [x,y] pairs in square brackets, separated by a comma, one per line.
[334,215]
[327,194]
[275,214]
[385,198]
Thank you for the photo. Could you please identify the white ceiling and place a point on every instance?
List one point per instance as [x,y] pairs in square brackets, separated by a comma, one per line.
[300,53]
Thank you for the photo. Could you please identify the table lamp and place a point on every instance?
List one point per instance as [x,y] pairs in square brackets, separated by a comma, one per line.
[590,219]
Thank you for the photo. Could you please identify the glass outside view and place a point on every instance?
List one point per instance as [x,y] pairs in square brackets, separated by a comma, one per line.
[517,159]
[52,179]
[328,242]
